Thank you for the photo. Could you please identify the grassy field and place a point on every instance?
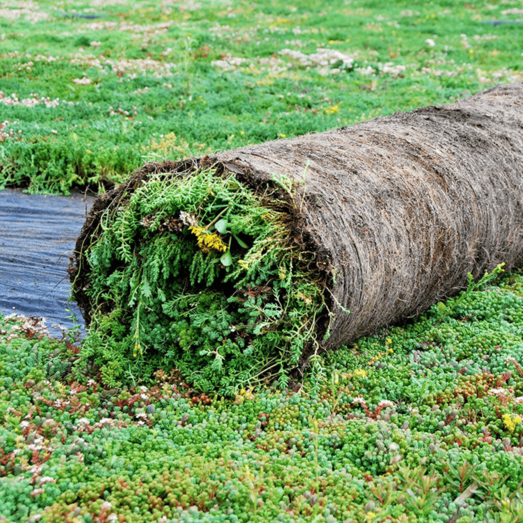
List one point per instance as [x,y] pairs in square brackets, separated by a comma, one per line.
[422,423]
[86,100]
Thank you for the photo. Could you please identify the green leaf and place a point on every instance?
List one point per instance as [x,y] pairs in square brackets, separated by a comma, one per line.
[146,288]
[226,259]
[221,226]
[441,306]
[240,242]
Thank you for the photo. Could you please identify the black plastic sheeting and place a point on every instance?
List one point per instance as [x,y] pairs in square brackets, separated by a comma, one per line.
[37,235]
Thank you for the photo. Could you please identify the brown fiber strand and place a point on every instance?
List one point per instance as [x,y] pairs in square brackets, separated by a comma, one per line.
[402,208]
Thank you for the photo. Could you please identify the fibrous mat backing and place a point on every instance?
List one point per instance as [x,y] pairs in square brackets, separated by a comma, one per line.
[276,252]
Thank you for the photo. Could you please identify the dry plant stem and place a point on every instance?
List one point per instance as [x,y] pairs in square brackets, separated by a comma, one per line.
[398,209]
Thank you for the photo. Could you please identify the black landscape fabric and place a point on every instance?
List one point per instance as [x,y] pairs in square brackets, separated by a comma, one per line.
[397,209]
[37,236]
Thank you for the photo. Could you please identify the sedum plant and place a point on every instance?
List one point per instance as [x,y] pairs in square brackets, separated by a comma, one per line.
[199,273]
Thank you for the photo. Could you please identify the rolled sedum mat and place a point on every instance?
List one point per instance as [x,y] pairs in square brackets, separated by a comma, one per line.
[245,266]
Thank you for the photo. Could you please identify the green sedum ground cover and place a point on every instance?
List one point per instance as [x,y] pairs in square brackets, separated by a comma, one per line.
[87,100]
[421,423]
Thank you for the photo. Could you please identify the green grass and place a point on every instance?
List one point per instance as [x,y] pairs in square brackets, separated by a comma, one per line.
[154,91]
[421,423]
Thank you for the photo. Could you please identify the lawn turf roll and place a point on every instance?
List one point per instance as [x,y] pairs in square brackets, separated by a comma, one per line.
[390,216]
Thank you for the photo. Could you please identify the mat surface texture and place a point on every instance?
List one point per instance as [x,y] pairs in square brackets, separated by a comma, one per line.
[37,235]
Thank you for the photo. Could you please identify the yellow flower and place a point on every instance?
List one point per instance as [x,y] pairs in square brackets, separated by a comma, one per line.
[282,135]
[243,264]
[511,421]
[208,241]
[360,372]
[332,110]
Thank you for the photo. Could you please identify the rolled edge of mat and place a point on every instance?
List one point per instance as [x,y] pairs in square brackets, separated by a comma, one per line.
[398,209]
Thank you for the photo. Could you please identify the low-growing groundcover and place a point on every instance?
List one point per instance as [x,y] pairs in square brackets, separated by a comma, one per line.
[88,89]
[421,423]
[200,274]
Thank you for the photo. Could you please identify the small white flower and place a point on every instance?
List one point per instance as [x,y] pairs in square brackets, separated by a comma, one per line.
[141,415]
[82,81]
[46,479]
[187,219]
[498,392]
[430,42]
[390,68]
[366,71]
[386,403]
[96,44]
